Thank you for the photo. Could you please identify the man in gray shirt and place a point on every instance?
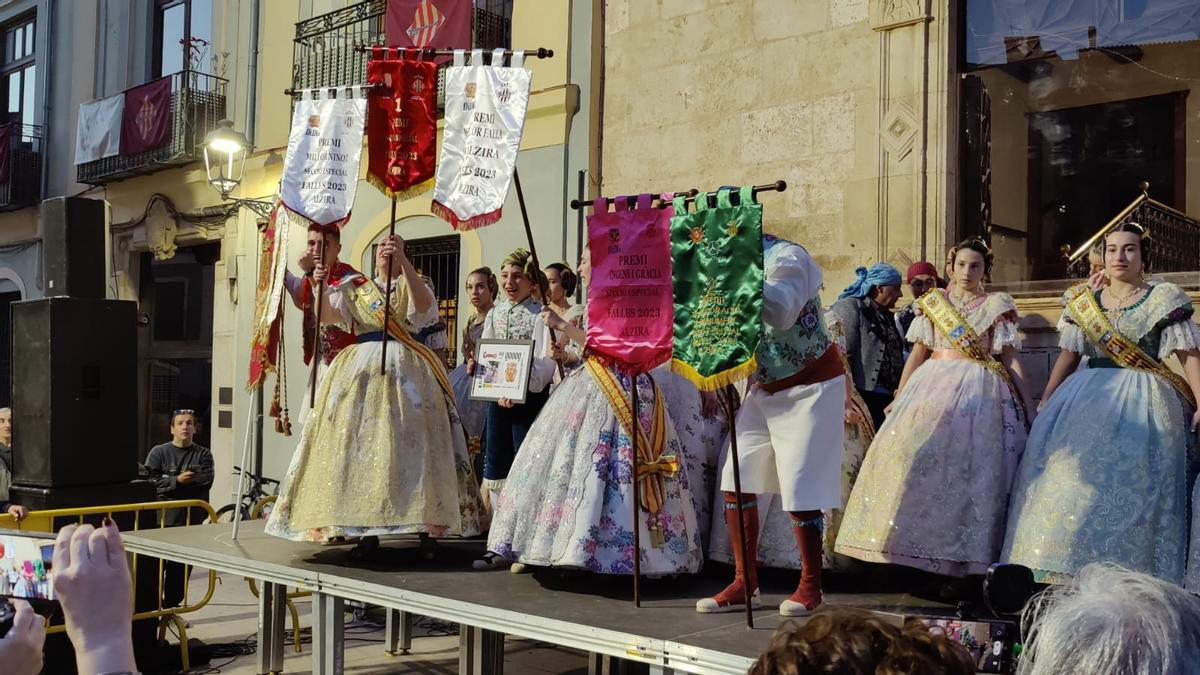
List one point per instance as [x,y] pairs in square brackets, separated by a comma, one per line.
[181,470]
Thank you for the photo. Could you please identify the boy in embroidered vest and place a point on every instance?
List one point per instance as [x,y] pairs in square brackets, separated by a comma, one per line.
[334,337]
[790,429]
[515,316]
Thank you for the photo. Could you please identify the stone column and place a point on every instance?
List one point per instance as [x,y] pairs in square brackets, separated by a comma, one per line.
[917,127]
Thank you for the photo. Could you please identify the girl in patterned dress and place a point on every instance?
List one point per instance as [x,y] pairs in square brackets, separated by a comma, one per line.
[933,490]
[568,501]
[1105,476]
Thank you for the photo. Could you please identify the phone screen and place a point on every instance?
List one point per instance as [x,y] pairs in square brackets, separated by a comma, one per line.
[25,567]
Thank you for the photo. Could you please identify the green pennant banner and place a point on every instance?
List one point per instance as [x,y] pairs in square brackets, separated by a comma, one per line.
[717,273]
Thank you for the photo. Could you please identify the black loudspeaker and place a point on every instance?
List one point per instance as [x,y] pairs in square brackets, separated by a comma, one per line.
[73,247]
[74,392]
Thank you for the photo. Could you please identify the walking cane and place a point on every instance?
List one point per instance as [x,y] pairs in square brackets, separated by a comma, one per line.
[748,557]
[387,295]
[637,507]
[320,300]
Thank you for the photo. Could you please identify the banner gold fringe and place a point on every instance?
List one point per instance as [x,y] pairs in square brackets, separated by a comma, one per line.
[442,211]
[714,382]
[405,194]
[625,367]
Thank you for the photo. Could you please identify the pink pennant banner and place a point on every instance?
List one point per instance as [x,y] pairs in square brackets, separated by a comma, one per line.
[631,309]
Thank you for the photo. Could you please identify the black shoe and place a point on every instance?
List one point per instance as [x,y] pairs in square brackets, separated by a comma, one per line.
[365,547]
[429,547]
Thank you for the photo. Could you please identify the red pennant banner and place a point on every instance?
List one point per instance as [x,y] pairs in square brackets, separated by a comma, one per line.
[401,124]
[146,124]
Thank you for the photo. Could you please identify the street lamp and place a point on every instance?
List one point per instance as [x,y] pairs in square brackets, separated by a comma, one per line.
[225,151]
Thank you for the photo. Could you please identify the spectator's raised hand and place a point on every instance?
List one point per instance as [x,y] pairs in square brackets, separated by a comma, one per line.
[91,578]
[21,649]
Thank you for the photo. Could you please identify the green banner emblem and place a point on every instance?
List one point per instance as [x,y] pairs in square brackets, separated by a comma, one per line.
[717,272]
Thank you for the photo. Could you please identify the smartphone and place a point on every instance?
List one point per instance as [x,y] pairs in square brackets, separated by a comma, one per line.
[26,568]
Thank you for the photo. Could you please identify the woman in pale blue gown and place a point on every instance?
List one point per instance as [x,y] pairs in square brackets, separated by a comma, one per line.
[1105,476]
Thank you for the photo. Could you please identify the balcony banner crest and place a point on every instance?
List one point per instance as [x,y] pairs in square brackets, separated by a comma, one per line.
[401,123]
[320,170]
[428,23]
[146,117]
[485,116]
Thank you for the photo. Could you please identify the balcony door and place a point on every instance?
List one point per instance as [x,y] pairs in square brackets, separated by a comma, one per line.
[18,72]
[182,36]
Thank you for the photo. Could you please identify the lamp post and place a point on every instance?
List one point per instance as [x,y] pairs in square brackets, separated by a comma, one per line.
[225,151]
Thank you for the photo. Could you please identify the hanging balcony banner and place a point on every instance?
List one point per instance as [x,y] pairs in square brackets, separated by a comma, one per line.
[440,24]
[98,131]
[717,266]
[146,119]
[401,123]
[630,304]
[320,170]
[485,115]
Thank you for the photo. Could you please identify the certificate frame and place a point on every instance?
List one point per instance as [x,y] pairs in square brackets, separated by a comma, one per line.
[502,369]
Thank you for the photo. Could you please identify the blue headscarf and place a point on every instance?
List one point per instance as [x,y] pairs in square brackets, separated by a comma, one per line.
[880,274]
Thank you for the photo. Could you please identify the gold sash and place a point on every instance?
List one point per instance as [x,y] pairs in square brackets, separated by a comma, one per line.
[370,301]
[1090,317]
[652,466]
[954,327]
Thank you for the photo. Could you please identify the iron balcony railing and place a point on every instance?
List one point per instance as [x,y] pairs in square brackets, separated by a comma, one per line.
[22,184]
[1174,237]
[197,105]
[324,48]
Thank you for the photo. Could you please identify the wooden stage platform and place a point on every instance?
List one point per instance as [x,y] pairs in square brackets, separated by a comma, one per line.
[591,613]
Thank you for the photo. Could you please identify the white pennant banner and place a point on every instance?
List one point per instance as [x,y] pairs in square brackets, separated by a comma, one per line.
[485,115]
[320,171]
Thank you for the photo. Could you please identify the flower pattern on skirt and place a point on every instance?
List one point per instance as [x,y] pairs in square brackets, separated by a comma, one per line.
[568,503]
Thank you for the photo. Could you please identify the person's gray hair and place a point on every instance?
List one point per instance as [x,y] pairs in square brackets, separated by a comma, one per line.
[1112,621]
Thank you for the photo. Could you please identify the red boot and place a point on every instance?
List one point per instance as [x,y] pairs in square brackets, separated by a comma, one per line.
[807,526]
[733,598]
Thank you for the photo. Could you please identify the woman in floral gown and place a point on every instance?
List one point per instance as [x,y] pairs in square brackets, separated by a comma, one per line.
[933,491]
[568,499]
[1106,473]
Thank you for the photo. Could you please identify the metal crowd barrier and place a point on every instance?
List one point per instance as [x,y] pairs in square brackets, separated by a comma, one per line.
[256,512]
[123,514]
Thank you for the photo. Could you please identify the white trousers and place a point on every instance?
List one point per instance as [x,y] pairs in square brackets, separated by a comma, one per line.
[790,444]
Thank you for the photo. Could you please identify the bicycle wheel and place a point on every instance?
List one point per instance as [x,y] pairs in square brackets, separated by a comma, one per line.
[262,508]
[225,514]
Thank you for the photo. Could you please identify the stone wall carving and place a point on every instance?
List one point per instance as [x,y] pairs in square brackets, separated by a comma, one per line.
[889,14]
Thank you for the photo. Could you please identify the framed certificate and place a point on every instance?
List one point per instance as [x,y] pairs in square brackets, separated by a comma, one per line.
[502,370]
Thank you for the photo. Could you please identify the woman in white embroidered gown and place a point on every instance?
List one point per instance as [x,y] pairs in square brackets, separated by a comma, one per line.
[382,454]
[933,490]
